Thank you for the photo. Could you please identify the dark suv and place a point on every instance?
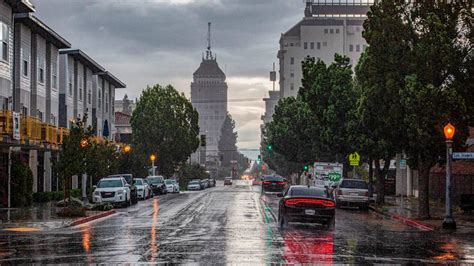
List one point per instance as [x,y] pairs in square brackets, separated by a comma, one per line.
[133,188]
[157,184]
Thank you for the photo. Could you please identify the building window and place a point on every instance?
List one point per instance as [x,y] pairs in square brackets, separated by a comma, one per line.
[53,119]
[319,45]
[106,102]
[325,31]
[337,31]
[351,48]
[79,79]
[292,86]
[40,115]
[89,96]
[292,44]
[70,82]
[325,44]
[25,68]
[41,75]
[5,35]
[312,45]
[99,98]
[331,31]
[292,61]
[358,48]
[54,75]
[292,74]
[305,45]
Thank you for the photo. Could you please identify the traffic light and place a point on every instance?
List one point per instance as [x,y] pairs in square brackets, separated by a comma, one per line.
[270,148]
[259,159]
[306,168]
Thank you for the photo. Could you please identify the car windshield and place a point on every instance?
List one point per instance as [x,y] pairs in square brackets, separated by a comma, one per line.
[106,183]
[273,178]
[307,192]
[154,180]
[127,178]
[169,182]
[354,184]
[138,182]
[194,182]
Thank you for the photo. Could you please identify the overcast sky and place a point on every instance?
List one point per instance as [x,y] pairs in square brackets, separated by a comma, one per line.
[161,41]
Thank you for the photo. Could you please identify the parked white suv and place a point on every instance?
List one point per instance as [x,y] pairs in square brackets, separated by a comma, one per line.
[115,190]
[352,192]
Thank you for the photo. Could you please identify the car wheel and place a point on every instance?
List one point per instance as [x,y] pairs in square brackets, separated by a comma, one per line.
[331,224]
[128,201]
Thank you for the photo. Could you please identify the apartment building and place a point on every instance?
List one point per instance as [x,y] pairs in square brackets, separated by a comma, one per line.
[328,27]
[44,84]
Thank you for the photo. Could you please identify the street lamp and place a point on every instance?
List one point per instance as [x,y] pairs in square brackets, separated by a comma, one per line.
[152,159]
[448,222]
[127,148]
[84,143]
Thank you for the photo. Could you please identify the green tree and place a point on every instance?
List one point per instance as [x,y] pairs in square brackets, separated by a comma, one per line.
[102,159]
[72,156]
[436,92]
[21,183]
[227,144]
[188,172]
[165,123]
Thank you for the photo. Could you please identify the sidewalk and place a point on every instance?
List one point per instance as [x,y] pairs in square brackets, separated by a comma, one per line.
[408,209]
[41,216]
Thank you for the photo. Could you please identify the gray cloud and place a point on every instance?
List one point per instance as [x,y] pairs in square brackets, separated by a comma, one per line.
[157,41]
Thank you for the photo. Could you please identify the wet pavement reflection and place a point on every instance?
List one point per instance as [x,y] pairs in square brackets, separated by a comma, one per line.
[231,225]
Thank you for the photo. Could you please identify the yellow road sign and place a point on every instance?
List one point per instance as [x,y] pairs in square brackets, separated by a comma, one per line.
[354,159]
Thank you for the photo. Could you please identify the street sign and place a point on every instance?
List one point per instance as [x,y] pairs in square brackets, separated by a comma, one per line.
[334,176]
[354,159]
[463,155]
[403,164]
[16,126]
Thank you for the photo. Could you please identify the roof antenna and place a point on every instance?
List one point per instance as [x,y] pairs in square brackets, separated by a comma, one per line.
[209,52]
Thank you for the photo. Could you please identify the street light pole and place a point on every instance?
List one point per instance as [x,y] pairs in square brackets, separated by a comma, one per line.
[448,222]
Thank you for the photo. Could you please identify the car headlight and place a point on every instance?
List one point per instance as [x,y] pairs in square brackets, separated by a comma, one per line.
[120,192]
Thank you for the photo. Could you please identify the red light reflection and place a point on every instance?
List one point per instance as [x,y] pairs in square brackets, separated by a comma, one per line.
[308,247]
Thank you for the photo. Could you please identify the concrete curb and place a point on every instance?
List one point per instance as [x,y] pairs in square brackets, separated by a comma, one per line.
[404,220]
[92,218]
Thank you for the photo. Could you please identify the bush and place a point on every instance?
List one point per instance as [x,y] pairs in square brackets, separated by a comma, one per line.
[54,195]
[72,211]
[21,184]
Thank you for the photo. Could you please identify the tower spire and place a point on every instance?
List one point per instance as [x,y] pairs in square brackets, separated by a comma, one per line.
[209,52]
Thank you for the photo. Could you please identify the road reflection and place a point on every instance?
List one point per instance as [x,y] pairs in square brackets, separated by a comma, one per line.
[153,245]
[86,237]
[449,252]
[308,246]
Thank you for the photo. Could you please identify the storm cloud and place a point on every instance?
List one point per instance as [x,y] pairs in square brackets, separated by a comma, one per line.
[144,42]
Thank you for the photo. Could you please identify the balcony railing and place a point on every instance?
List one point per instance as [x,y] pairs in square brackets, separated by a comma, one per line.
[32,129]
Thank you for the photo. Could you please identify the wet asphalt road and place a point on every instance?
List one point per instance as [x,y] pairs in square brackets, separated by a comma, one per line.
[231,225]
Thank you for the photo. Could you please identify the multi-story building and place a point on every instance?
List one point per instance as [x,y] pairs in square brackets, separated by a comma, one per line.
[270,103]
[328,27]
[42,88]
[209,97]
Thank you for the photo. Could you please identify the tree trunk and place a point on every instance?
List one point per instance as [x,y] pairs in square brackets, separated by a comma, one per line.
[371,178]
[380,183]
[423,190]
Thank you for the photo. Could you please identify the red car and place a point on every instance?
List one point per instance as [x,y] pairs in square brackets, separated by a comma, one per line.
[304,204]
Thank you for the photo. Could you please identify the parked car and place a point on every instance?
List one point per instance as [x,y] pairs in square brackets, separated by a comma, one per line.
[194,184]
[304,204]
[172,186]
[212,182]
[352,192]
[228,181]
[133,188]
[157,184]
[115,190]
[143,191]
[150,190]
[203,183]
[273,183]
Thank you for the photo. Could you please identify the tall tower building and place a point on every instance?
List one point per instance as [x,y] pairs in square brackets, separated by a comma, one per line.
[209,97]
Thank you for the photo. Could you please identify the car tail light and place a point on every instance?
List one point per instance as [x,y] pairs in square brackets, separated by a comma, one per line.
[267,183]
[281,183]
[321,202]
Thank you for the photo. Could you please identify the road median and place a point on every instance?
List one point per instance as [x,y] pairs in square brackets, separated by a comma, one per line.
[91,218]
[405,220]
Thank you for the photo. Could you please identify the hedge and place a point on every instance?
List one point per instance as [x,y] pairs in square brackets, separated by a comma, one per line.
[54,195]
